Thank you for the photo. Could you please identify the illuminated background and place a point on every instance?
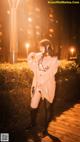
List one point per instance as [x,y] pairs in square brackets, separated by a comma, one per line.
[59,23]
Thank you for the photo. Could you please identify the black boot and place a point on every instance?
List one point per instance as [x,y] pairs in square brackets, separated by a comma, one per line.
[33,117]
[48,115]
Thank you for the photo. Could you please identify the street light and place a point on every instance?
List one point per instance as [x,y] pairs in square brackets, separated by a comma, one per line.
[72,53]
[29,19]
[72,50]
[27,45]
[13,4]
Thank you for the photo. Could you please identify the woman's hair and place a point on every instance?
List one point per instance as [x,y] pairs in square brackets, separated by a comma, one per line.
[47,45]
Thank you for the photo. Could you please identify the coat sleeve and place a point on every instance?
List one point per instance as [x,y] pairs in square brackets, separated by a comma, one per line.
[31,61]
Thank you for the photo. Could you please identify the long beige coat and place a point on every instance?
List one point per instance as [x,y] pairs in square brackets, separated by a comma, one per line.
[43,85]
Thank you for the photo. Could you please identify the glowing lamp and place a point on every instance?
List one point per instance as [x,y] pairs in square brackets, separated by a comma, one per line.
[27,45]
[29,19]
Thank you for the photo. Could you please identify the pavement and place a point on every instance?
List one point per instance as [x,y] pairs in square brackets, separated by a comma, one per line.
[67,126]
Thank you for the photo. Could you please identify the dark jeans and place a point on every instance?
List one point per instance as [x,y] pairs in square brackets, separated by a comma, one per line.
[41,116]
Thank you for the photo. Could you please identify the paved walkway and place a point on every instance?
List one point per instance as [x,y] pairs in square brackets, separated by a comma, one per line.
[67,125]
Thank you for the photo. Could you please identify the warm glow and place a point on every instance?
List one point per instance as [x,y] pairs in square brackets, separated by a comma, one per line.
[13,5]
[37,27]
[50,35]
[8,12]
[29,19]
[1,33]
[57,21]
[37,33]
[37,9]
[51,15]
[51,30]
[27,45]
[0,25]
[72,50]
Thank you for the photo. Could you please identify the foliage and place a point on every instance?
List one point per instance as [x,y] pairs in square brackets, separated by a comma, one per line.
[19,74]
[67,66]
[14,75]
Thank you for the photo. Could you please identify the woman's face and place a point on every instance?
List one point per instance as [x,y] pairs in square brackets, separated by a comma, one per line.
[42,49]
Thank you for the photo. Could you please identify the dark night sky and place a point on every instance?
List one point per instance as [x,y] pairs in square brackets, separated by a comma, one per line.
[69,18]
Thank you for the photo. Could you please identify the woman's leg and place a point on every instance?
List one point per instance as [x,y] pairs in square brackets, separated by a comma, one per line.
[35,101]
[41,116]
[34,117]
[48,114]
[44,116]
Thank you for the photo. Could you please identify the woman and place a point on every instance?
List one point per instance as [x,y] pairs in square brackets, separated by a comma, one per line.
[44,66]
